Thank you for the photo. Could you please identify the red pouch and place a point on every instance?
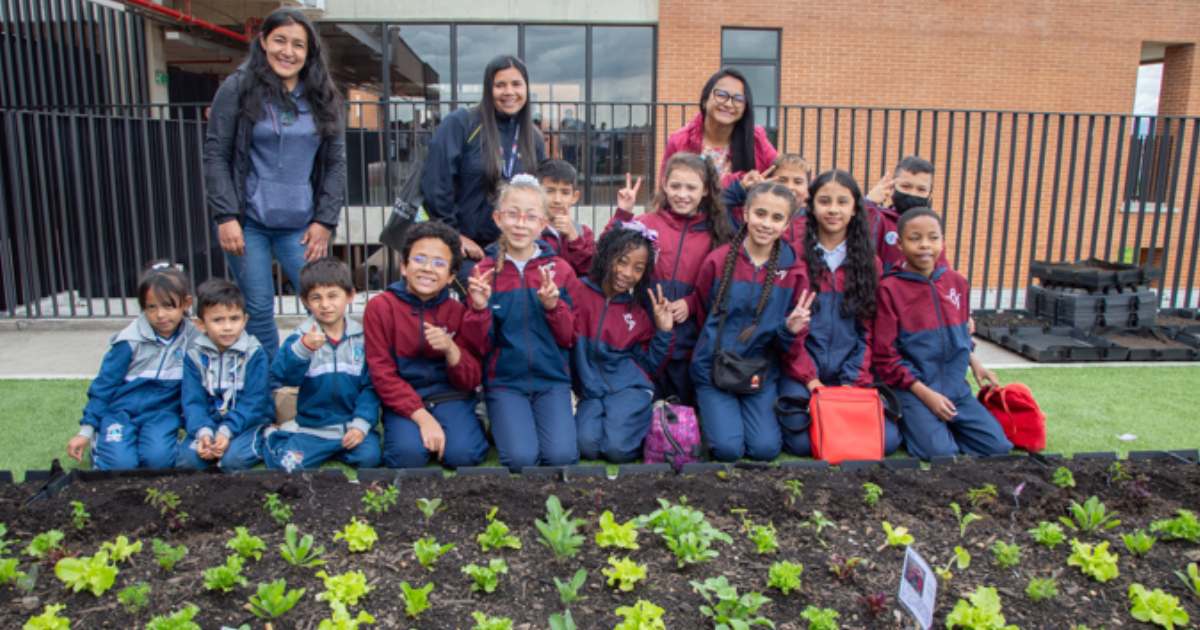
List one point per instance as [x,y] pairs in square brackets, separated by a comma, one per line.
[1018,413]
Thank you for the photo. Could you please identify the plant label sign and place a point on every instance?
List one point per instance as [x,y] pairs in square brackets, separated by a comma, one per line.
[918,588]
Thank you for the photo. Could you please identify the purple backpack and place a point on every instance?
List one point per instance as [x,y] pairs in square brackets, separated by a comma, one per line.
[674,435]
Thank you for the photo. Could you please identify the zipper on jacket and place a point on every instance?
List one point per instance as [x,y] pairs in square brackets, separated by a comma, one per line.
[937,308]
[600,331]
[679,250]
[525,319]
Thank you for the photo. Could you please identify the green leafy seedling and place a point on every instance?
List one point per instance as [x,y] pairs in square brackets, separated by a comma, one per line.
[1006,555]
[1192,579]
[961,559]
[686,531]
[1063,478]
[429,507]
[785,576]
[344,588]
[871,493]
[246,545]
[1117,472]
[359,536]
[1138,543]
[178,620]
[10,571]
[726,608]
[1041,589]
[45,542]
[1183,527]
[166,555]
[280,512]
[79,515]
[1090,517]
[416,600]
[794,489]
[340,619]
[120,549]
[897,537]
[568,592]
[4,542]
[134,598]
[377,501]
[1049,534]
[562,621]
[559,531]
[963,519]
[487,622]
[49,619]
[982,613]
[643,615]
[428,551]
[614,534]
[820,618]
[1095,562]
[300,551]
[225,577]
[273,600]
[91,573]
[496,535]
[486,579]
[624,573]
[763,536]
[843,568]
[1156,607]
[983,495]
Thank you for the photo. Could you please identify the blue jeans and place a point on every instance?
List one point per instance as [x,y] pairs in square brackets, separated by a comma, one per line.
[466,445]
[304,451]
[613,427]
[252,272]
[736,426]
[148,440]
[535,429]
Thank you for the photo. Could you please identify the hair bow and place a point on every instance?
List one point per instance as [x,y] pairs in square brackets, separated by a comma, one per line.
[640,228]
[524,178]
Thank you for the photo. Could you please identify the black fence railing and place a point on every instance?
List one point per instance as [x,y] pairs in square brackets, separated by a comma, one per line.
[87,196]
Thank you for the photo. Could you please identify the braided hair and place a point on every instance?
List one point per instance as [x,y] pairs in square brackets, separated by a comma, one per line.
[718,220]
[611,246]
[727,279]
[861,278]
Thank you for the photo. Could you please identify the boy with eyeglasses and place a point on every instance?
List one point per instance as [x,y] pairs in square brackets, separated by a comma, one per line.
[424,376]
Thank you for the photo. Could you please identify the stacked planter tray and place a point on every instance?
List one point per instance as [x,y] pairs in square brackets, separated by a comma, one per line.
[992,324]
[1058,344]
[1093,274]
[1085,309]
[1154,344]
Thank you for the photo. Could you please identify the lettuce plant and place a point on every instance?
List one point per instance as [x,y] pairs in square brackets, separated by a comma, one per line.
[624,573]
[344,588]
[1095,562]
[785,576]
[1156,607]
[95,573]
[614,534]
[643,615]
[982,613]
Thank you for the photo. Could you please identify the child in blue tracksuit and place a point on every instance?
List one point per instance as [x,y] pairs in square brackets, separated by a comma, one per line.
[226,400]
[755,283]
[617,347]
[133,413]
[922,348]
[521,321]
[844,275]
[336,408]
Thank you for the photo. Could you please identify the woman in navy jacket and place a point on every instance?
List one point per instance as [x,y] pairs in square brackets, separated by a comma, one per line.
[275,163]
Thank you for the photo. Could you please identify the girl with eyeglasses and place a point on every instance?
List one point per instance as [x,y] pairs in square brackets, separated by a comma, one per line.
[724,130]
[424,374]
[521,322]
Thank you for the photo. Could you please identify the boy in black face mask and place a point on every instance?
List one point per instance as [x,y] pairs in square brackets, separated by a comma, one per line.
[909,186]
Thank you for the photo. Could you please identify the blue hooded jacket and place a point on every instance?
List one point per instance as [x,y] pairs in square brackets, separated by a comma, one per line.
[617,346]
[335,386]
[225,392]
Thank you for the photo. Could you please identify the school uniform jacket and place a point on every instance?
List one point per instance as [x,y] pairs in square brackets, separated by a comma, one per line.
[225,392]
[771,333]
[578,253]
[335,386]
[683,242]
[403,367]
[141,372]
[840,347]
[524,345]
[617,346]
[920,331]
[690,138]
[734,200]
[882,224]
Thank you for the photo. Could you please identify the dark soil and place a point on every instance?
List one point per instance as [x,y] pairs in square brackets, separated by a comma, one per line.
[1007,318]
[1134,338]
[325,502]
[1175,320]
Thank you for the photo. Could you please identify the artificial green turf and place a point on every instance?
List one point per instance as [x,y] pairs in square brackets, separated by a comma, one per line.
[1086,409]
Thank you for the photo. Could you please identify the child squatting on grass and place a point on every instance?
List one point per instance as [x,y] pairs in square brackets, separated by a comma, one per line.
[336,407]
[133,413]
[226,401]
[922,348]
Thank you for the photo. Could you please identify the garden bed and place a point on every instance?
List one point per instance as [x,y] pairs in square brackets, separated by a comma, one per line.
[324,502]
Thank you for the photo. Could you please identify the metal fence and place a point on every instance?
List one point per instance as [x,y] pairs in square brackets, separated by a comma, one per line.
[87,196]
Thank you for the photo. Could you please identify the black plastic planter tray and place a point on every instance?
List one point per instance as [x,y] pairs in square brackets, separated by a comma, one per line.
[1092,274]
[1058,344]
[1182,346]
[1077,308]
[989,320]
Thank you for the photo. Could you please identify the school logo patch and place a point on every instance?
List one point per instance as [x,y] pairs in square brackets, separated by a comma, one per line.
[891,238]
[780,275]
[549,267]
[114,433]
[955,297]
[359,352]
[291,460]
[629,321]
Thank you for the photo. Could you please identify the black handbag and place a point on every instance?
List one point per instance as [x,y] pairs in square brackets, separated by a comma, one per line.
[731,371]
[404,210]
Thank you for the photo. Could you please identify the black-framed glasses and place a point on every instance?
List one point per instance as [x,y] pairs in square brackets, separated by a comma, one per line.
[721,96]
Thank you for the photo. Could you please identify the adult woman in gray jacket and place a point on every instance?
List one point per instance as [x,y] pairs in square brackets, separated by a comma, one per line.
[275,163]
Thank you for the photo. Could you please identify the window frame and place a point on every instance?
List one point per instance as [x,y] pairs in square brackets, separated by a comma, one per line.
[777,63]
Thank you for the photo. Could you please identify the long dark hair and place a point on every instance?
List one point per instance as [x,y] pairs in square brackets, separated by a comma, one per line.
[861,280]
[741,144]
[718,219]
[265,86]
[490,137]
[616,243]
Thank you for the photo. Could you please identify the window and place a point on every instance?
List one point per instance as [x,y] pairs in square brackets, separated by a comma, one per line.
[420,61]
[477,45]
[755,52]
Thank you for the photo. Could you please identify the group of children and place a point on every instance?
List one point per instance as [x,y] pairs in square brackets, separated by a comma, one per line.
[740,302]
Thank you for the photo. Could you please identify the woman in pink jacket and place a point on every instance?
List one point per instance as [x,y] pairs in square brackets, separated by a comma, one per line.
[724,130]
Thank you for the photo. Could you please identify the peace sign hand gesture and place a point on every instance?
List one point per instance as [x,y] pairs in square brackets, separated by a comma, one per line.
[548,292]
[753,178]
[627,196]
[798,319]
[664,318]
[479,287]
